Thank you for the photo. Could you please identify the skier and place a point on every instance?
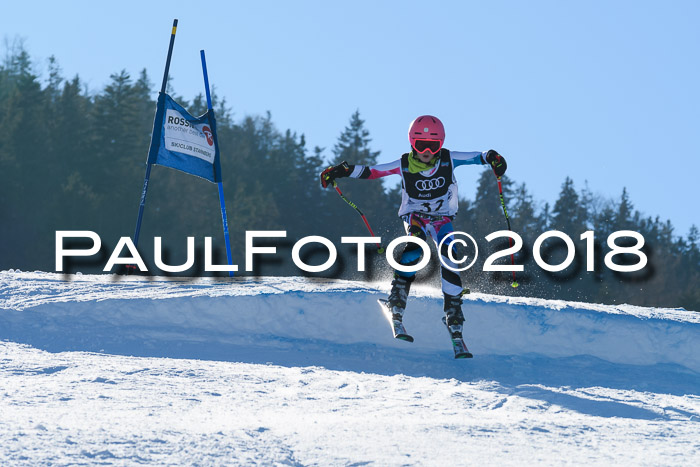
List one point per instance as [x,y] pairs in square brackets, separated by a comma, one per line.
[429,203]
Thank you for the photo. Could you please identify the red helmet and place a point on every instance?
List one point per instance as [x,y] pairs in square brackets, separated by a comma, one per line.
[428,133]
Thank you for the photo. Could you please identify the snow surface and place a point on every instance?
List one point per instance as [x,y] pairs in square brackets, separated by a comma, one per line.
[298,371]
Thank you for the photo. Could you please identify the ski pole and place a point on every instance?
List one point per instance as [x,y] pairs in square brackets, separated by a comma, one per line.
[380,249]
[510,240]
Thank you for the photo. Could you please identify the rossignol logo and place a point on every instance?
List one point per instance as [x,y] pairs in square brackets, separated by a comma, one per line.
[188,137]
[431,184]
[173,120]
[208,133]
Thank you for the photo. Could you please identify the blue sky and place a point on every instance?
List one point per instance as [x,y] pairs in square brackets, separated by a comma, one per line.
[604,92]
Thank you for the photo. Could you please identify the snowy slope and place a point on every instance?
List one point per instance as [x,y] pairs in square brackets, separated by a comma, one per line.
[303,371]
[132,315]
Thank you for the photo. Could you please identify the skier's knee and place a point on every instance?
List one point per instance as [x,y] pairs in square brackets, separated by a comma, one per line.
[411,255]
[449,250]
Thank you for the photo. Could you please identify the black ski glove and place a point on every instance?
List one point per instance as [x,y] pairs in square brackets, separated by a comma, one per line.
[496,161]
[331,173]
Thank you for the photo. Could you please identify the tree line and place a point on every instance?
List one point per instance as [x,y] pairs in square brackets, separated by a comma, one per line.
[71,159]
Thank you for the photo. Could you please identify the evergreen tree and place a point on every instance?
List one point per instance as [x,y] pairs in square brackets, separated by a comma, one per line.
[692,252]
[590,203]
[353,146]
[569,215]
[690,271]
[623,217]
[487,211]
[120,138]
[604,222]
[524,220]
[545,217]
[25,172]
[70,140]
[70,160]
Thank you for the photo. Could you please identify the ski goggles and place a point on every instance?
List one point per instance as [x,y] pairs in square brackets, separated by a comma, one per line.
[427,145]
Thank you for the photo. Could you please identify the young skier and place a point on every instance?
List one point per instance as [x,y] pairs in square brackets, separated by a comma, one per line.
[429,203]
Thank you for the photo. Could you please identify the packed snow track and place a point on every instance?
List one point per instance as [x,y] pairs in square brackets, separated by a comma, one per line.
[298,371]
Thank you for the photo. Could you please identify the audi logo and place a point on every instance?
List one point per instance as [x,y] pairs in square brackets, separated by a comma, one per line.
[432,184]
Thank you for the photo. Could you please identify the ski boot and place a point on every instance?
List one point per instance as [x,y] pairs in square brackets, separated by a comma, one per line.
[395,305]
[400,287]
[454,318]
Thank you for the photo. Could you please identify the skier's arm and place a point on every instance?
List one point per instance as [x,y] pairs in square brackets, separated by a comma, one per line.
[359,171]
[490,157]
[467,158]
[376,171]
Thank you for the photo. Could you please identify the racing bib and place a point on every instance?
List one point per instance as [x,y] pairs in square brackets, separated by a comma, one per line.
[432,191]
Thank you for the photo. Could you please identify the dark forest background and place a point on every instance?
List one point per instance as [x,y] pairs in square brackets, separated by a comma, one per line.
[74,159]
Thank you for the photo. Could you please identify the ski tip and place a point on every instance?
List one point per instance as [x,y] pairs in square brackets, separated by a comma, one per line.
[464,355]
[404,337]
